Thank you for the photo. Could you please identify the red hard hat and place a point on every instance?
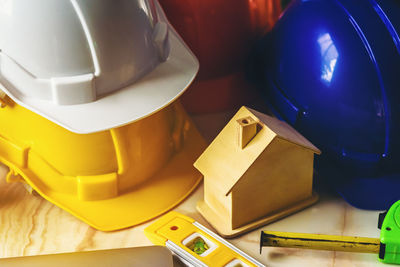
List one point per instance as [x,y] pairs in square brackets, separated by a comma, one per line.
[220,34]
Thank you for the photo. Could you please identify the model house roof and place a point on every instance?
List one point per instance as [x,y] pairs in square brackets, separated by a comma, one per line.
[225,161]
[284,130]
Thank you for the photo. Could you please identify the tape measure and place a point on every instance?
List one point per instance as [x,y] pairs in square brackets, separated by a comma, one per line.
[387,246]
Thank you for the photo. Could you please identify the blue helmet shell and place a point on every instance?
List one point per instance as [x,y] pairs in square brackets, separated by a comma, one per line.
[331,68]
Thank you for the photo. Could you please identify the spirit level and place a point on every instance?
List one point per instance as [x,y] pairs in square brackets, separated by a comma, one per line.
[195,244]
[388,245]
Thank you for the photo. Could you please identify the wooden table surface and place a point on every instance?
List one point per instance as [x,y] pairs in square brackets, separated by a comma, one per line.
[29,225]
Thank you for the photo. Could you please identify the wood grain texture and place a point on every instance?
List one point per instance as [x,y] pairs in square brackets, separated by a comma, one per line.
[30,225]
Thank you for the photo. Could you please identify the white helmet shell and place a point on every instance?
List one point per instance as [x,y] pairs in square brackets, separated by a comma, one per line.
[91,65]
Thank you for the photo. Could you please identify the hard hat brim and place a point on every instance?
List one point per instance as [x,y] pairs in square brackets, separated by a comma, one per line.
[166,189]
[371,193]
[148,95]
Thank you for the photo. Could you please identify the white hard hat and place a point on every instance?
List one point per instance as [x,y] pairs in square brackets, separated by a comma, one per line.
[91,65]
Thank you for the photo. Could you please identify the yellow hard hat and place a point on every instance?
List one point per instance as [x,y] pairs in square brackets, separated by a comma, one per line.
[90,119]
[111,179]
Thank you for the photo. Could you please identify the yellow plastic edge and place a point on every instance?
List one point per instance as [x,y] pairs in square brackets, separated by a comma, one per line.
[151,230]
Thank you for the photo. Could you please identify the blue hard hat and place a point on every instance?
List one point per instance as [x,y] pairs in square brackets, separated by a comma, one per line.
[331,68]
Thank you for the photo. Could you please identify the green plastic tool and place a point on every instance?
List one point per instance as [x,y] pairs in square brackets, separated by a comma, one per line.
[389,223]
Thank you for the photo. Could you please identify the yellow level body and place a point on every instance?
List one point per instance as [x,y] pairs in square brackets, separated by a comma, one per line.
[179,233]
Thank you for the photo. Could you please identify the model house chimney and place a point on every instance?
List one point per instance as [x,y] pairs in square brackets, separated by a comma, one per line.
[247,129]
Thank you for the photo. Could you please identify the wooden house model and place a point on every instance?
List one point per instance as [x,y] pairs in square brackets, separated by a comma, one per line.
[257,170]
